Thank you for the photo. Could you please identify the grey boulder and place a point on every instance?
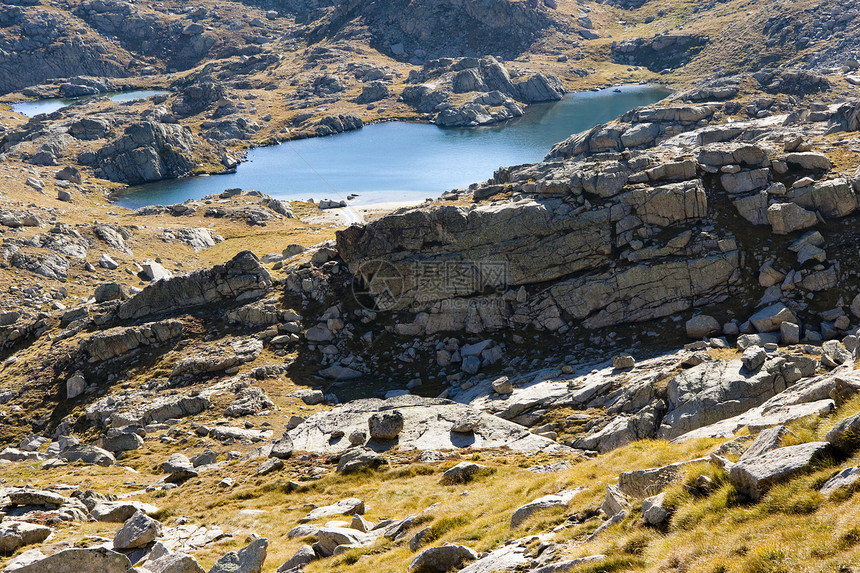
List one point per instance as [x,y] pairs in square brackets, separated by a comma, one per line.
[79,560]
[138,531]
[358,459]
[544,503]
[88,454]
[300,558]
[174,563]
[350,506]
[653,510]
[385,425]
[768,440]
[615,501]
[702,325]
[753,358]
[460,473]
[843,480]
[844,435]
[441,559]
[247,560]
[769,319]
[755,476]
[119,511]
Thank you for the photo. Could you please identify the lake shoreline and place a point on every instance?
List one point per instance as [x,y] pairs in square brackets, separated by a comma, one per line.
[123,196]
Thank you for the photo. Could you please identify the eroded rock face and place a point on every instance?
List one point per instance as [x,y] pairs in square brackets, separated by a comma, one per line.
[450,28]
[539,240]
[659,52]
[718,390]
[42,46]
[111,344]
[242,275]
[148,151]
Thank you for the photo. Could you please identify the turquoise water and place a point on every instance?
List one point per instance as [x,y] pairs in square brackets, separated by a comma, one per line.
[34,108]
[402,161]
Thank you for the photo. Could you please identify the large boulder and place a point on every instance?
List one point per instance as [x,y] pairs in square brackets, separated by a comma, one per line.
[249,559]
[16,534]
[385,425]
[358,459]
[441,559]
[809,160]
[26,496]
[330,538]
[138,531]
[769,319]
[841,481]
[650,481]
[832,199]
[119,511]
[787,218]
[717,390]
[350,506]
[653,509]
[754,476]
[845,435]
[173,563]
[745,181]
[544,503]
[87,454]
[702,325]
[540,88]
[304,555]
[372,92]
[122,442]
[460,473]
[615,501]
[767,440]
[79,560]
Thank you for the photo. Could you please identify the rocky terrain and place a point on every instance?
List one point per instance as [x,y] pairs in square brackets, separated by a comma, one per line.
[635,355]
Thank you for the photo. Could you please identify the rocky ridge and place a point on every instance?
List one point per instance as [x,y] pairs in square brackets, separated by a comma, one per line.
[543,362]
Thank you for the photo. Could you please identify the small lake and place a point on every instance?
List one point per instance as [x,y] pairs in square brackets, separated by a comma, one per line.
[401,161]
[34,108]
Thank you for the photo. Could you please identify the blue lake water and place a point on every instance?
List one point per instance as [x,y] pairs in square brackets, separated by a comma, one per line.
[34,108]
[401,161]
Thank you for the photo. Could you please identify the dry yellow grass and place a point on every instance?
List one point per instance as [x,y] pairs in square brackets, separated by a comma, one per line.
[793,528]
